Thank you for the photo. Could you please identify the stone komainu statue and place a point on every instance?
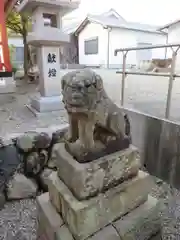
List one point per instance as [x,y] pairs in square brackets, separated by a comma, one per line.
[97,126]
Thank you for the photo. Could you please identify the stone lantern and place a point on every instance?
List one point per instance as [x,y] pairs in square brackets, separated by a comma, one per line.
[48,37]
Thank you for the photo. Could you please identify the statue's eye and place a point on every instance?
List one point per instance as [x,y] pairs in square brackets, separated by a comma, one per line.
[87,85]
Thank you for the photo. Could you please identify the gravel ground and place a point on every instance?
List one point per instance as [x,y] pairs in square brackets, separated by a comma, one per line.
[148,94]
[18,220]
[15,116]
[170,211]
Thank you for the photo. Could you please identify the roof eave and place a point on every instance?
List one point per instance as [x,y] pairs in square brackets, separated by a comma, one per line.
[84,23]
[168,25]
[140,30]
[88,19]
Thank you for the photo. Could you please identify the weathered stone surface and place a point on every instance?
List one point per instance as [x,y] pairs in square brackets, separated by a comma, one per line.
[93,117]
[33,139]
[64,234]
[35,162]
[26,141]
[51,226]
[49,220]
[52,159]
[44,178]
[88,216]
[87,179]
[142,222]
[20,187]
[107,233]
[2,200]
[54,190]
[42,141]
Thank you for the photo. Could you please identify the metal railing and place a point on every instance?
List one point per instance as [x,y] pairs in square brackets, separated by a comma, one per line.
[171,75]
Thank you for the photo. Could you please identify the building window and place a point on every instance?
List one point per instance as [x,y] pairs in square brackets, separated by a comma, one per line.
[50,20]
[18,55]
[91,46]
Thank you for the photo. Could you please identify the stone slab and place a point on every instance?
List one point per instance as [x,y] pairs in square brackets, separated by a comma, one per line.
[86,217]
[49,220]
[141,223]
[46,104]
[88,179]
[107,233]
[45,219]
[51,225]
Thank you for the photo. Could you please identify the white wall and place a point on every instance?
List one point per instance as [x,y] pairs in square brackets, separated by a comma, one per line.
[18,55]
[174,37]
[90,31]
[119,38]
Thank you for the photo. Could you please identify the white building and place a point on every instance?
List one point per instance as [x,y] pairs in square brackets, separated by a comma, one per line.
[99,36]
[16,42]
[173,31]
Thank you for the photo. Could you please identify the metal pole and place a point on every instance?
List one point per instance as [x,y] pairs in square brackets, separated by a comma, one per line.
[171,78]
[167,40]
[123,77]
[108,47]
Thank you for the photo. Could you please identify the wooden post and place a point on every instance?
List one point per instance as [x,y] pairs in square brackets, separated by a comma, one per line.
[4,40]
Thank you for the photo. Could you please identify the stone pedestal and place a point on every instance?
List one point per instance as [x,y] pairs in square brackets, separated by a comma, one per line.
[141,223]
[109,200]
[88,179]
[47,36]
[49,85]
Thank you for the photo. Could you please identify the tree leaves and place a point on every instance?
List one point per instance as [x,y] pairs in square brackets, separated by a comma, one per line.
[20,24]
[17,23]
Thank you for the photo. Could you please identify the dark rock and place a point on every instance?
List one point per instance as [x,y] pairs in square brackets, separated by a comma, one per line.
[42,141]
[43,158]
[44,178]
[10,161]
[26,142]
[52,159]
[35,162]
[32,164]
[59,135]
[2,200]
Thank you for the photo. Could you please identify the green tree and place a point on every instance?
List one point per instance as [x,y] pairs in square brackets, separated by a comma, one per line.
[20,24]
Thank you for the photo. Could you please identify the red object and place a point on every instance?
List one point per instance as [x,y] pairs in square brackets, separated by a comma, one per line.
[5,57]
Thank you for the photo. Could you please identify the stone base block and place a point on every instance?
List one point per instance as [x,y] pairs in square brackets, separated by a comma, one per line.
[45,104]
[141,223]
[50,224]
[7,85]
[83,218]
[88,179]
